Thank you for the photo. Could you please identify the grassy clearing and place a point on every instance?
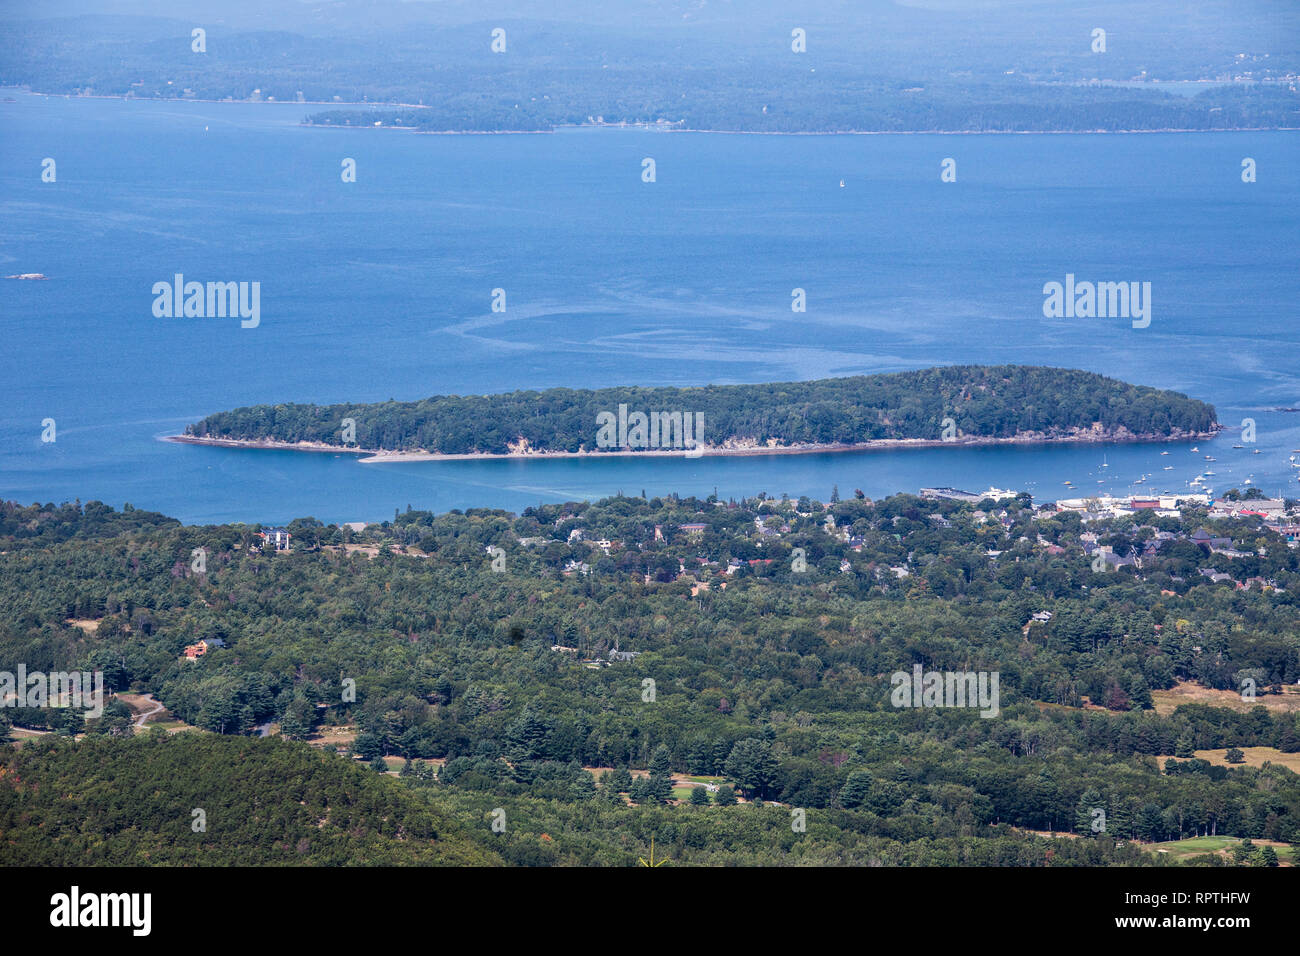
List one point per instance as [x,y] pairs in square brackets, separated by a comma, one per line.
[1186,692]
[1181,850]
[328,736]
[1255,757]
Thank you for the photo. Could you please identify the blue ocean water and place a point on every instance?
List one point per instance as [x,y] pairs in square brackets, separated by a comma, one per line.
[382,289]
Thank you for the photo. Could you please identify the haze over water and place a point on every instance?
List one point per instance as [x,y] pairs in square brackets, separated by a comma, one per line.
[381,289]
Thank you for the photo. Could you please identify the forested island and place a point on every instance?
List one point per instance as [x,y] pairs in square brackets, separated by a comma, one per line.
[965,403]
[678,669]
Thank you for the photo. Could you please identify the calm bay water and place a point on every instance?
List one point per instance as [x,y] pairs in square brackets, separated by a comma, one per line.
[382,288]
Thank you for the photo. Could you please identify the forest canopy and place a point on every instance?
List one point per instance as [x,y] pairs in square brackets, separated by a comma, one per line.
[983,402]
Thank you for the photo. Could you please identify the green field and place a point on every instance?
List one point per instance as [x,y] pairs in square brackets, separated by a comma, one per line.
[1181,850]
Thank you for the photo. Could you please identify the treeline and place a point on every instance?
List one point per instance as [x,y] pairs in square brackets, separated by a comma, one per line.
[205,800]
[982,401]
[35,525]
[799,106]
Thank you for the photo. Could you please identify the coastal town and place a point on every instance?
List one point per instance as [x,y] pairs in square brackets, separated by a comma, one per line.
[1229,536]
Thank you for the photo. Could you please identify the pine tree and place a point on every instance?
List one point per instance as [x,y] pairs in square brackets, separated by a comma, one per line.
[856,789]
[1086,820]
[1139,693]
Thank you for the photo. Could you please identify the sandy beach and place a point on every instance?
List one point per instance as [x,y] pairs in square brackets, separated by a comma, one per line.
[385,456]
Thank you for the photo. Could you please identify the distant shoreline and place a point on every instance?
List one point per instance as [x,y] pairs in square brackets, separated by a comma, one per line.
[382,456]
[665,128]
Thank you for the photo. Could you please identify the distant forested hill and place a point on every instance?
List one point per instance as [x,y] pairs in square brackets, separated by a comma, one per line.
[1031,65]
[266,801]
[984,402]
[872,104]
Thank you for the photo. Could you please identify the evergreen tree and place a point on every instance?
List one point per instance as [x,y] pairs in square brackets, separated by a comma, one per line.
[753,767]
[527,737]
[1242,851]
[856,789]
[1139,694]
[1086,820]
[660,762]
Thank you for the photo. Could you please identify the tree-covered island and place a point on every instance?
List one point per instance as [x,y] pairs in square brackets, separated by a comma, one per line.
[963,404]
